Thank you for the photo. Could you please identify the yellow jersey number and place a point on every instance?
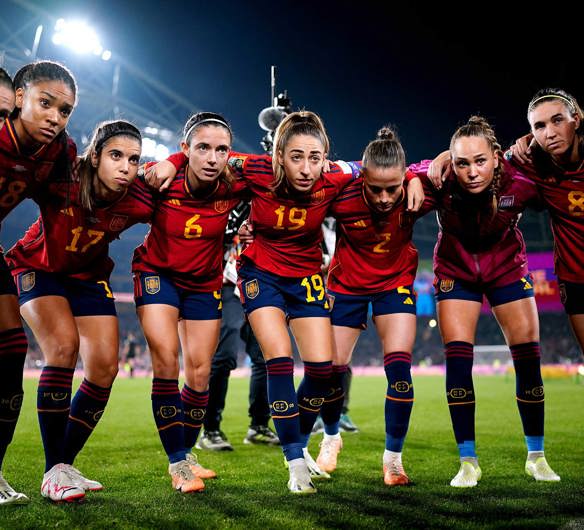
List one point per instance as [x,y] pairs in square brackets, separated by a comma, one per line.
[192,229]
[296,218]
[95,235]
[11,195]
[381,248]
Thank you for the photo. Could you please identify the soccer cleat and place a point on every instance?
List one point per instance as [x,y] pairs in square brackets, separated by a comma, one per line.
[346,425]
[9,496]
[329,451]
[467,477]
[261,434]
[197,469]
[540,470]
[59,485]
[318,426]
[84,483]
[394,474]
[214,441]
[183,478]
[300,482]
[313,468]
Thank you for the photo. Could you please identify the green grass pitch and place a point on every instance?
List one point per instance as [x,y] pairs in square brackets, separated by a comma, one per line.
[125,454]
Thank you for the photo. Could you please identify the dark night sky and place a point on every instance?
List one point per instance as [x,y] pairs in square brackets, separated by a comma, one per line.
[359,65]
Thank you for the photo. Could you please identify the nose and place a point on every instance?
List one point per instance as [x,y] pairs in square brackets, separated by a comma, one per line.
[550,131]
[53,116]
[473,171]
[212,157]
[305,169]
[384,197]
[125,166]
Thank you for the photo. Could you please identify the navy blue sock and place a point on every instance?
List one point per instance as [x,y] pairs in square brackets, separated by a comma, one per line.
[13,346]
[283,405]
[460,392]
[529,391]
[399,399]
[53,404]
[332,407]
[86,410]
[315,385]
[194,409]
[168,415]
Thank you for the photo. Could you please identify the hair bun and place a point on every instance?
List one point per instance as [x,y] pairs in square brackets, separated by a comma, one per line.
[478,120]
[386,133]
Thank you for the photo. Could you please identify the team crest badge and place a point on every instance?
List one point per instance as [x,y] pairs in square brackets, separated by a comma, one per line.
[152,284]
[331,300]
[118,223]
[252,289]
[506,201]
[237,162]
[446,285]
[27,281]
[221,206]
[318,196]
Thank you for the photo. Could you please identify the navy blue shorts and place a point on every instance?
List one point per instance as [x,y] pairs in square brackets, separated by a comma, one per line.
[457,290]
[572,297]
[351,310]
[297,297]
[7,285]
[86,298]
[155,288]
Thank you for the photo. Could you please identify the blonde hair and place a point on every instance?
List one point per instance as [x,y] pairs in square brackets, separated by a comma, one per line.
[301,122]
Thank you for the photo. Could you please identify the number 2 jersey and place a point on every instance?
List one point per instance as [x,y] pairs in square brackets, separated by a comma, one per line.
[185,242]
[287,229]
[70,240]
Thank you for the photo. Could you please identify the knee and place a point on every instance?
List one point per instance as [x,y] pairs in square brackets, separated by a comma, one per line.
[165,367]
[63,354]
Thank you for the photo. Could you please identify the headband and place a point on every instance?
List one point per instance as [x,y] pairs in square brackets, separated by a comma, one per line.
[548,96]
[125,132]
[207,120]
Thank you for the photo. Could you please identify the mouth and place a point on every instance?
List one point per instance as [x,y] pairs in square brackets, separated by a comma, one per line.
[122,182]
[209,172]
[473,185]
[554,145]
[48,133]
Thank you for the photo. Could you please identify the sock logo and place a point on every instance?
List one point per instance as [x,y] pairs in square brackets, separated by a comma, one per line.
[459,393]
[316,402]
[535,392]
[168,411]
[16,402]
[197,414]
[97,415]
[57,396]
[281,406]
[402,386]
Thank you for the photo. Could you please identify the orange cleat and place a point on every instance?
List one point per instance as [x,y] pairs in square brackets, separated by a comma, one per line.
[197,469]
[394,475]
[183,479]
[329,451]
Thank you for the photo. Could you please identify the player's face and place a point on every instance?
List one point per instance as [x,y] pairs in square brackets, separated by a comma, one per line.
[474,163]
[554,127]
[303,159]
[7,99]
[208,152]
[117,165]
[45,108]
[383,186]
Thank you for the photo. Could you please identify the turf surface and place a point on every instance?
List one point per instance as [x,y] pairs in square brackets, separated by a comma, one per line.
[125,454]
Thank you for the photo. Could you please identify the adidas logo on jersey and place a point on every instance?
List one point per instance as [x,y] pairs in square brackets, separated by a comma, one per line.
[67,211]
[175,202]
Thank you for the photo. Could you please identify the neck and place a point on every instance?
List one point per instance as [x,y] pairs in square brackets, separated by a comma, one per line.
[571,156]
[196,186]
[25,140]
[104,194]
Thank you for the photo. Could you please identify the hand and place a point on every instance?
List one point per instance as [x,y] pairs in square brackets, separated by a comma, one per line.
[415,194]
[521,149]
[438,168]
[160,175]
[245,233]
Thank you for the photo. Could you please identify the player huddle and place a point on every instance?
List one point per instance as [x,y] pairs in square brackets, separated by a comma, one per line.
[58,273]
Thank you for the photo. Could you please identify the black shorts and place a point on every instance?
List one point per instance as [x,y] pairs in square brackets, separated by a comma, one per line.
[572,296]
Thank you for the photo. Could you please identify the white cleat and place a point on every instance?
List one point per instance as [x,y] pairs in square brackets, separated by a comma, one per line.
[315,472]
[329,452]
[467,477]
[84,483]
[59,485]
[9,496]
[300,482]
[540,470]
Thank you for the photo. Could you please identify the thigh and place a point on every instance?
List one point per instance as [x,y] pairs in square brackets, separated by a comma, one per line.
[160,325]
[198,340]
[271,330]
[345,339]
[314,338]
[397,331]
[577,322]
[9,312]
[54,328]
[98,347]
[518,320]
[458,319]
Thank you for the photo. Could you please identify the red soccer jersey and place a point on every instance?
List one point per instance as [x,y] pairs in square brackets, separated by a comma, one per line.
[563,195]
[473,245]
[185,241]
[374,251]
[22,175]
[69,240]
[287,229]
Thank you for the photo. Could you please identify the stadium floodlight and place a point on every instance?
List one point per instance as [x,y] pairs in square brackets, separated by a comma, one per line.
[432,323]
[79,37]
[152,149]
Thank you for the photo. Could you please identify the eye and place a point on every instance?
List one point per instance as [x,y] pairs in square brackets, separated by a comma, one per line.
[296,158]
[134,160]
[315,158]
[66,113]
[461,163]
[115,155]
[481,161]
[45,103]
[375,190]
[223,150]
[558,119]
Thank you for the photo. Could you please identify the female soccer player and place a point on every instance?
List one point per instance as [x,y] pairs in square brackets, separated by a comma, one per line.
[556,165]
[32,141]
[480,252]
[375,262]
[62,269]
[178,278]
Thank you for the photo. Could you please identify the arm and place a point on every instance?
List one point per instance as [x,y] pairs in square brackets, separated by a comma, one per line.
[521,149]
[438,169]
[162,174]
